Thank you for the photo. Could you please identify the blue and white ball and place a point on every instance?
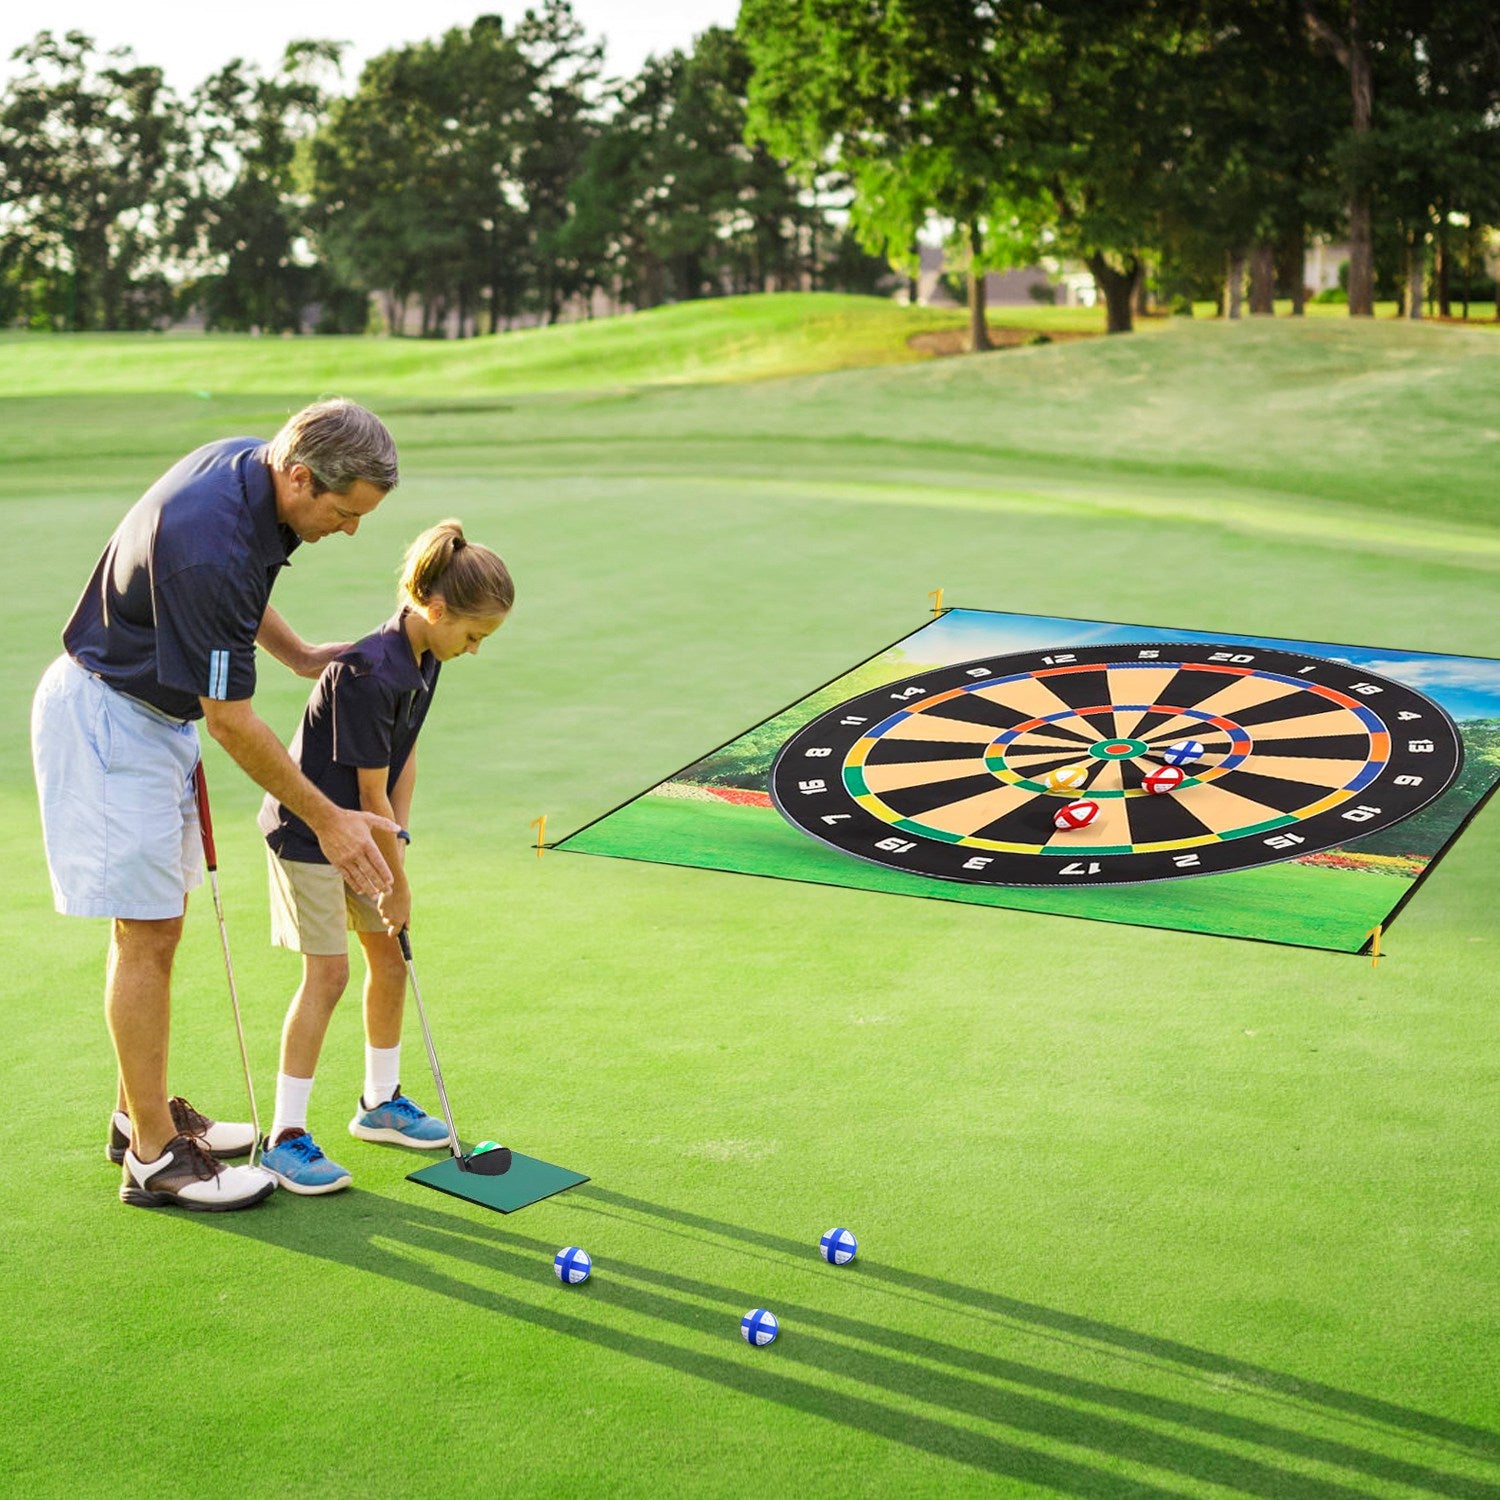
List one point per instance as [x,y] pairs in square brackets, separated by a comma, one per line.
[838,1247]
[759,1327]
[1183,753]
[572,1265]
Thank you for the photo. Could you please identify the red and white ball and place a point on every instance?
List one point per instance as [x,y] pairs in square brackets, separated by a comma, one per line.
[1077,814]
[1165,779]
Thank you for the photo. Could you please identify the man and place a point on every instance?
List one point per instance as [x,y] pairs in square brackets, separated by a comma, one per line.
[165,634]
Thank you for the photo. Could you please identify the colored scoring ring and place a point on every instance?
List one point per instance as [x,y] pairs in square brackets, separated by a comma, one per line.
[1241,745]
[846,813]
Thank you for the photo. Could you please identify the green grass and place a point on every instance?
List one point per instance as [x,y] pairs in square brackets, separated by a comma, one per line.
[1140,1212]
[1312,906]
[729,339]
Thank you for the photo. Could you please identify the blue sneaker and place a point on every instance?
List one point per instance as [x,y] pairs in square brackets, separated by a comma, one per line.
[298,1164]
[400,1121]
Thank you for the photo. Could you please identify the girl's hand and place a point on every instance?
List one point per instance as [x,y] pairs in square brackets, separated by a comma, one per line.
[395,909]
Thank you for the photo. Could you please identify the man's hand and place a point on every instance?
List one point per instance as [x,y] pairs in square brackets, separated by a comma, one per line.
[347,842]
[315,658]
[277,637]
[347,838]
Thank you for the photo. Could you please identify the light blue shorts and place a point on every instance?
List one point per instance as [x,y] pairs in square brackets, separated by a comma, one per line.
[119,817]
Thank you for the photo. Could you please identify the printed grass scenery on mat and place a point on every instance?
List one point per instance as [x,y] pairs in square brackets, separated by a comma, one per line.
[1292,791]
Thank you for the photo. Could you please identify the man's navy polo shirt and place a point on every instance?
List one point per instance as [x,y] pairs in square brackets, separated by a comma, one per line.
[172,611]
[366,711]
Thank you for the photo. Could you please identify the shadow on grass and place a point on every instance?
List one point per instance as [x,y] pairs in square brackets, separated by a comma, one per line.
[1070,1420]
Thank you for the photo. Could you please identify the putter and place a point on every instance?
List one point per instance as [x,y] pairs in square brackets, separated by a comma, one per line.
[492,1163]
[206,828]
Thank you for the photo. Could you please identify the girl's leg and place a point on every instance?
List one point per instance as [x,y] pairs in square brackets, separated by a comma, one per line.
[324,977]
[385,1003]
[384,1114]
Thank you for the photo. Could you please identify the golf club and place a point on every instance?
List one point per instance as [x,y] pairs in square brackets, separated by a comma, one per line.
[210,858]
[491,1163]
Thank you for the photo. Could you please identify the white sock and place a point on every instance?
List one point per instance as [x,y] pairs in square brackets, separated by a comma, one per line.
[292,1095]
[382,1074]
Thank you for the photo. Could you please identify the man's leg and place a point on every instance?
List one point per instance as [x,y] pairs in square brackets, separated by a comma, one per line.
[138,1011]
[121,1103]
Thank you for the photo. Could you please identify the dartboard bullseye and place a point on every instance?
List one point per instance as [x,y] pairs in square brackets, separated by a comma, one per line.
[960,772]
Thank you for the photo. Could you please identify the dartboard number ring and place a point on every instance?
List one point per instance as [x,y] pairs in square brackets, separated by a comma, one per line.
[945,773]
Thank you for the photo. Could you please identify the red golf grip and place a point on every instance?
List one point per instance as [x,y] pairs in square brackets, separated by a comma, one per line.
[205,821]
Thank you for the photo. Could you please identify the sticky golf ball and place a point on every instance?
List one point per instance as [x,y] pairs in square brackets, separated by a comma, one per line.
[1164,779]
[1066,778]
[484,1146]
[759,1326]
[838,1247]
[572,1265]
[1183,753]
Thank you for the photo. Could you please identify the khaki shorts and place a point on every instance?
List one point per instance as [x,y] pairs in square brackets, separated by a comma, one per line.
[313,911]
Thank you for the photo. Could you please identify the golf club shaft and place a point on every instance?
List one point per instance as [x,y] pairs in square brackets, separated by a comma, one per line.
[210,858]
[437,1072]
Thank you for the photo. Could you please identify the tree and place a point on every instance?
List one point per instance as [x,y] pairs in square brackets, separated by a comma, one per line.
[445,175]
[1347,41]
[408,178]
[915,102]
[244,222]
[1257,113]
[91,175]
[671,202]
[556,132]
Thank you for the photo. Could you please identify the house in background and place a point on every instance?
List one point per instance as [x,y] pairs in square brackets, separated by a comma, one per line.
[1320,265]
[1064,286]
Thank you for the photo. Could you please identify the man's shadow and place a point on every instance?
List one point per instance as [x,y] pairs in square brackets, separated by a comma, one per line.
[397,1239]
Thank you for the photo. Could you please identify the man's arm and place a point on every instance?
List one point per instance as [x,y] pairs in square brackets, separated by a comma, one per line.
[347,838]
[277,637]
[395,904]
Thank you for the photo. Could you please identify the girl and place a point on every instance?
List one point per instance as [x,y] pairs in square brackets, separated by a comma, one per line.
[356,744]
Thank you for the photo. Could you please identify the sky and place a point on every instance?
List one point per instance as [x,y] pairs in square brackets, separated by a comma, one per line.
[189,41]
[1467,686]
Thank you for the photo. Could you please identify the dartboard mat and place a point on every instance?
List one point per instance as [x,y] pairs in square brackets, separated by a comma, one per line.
[1319,782]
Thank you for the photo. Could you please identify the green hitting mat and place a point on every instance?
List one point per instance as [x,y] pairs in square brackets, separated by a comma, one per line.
[528,1181]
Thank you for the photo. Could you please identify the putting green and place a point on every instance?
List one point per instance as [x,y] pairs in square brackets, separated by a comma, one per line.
[1139,1212]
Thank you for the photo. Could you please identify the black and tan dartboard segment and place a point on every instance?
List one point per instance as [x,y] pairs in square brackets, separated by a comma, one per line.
[943,773]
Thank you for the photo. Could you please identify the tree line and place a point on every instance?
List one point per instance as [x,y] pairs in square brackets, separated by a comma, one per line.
[1178,148]
[471,181]
[1175,141]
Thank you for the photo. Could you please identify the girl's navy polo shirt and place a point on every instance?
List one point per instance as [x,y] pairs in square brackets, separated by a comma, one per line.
[366,711]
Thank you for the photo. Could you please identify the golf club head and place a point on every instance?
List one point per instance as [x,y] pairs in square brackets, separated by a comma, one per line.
[492,1163]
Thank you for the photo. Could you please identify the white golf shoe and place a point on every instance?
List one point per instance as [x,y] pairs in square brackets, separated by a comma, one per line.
[186,1176]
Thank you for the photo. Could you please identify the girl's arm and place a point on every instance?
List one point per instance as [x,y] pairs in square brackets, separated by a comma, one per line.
[401,792]
[395,904]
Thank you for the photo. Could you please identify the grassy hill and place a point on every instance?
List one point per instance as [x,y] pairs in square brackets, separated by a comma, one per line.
[727,339]
[1324,416]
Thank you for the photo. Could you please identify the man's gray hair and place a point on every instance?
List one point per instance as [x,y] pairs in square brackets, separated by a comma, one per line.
[340,442]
